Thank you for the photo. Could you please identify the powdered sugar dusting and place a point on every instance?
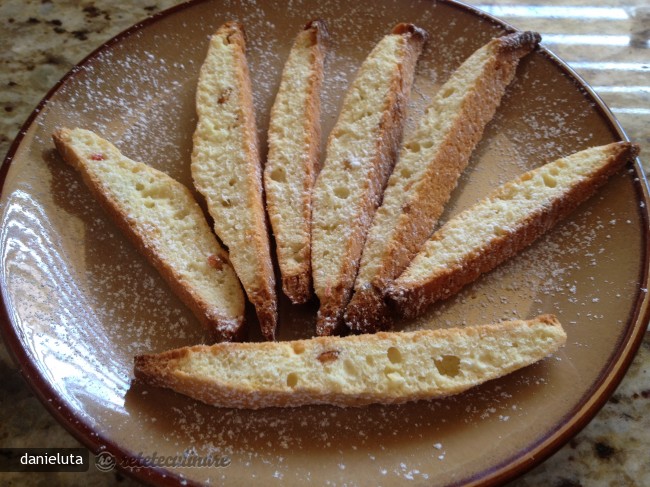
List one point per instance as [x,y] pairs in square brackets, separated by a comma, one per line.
[140,95]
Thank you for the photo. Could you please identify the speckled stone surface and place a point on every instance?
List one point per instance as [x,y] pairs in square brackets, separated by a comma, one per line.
[41,40]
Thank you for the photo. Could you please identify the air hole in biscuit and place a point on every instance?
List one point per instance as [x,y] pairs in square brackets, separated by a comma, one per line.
[298,252]
[292,379]
[413,147]
[549,181]
[349,367]
[149,204]
[298,348]
[448,365]
[181,214]
[139,186]
[405,173]
[279,175]
[342,192]
[232,182]
[394,355]
[328,227]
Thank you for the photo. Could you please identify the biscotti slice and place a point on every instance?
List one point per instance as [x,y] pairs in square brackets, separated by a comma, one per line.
[293,158]
[430,162]
[496,228]
[361,152]
[227,171]
[386,368]
[166,224]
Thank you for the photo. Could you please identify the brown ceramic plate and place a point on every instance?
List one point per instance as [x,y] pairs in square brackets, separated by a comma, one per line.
[79,301]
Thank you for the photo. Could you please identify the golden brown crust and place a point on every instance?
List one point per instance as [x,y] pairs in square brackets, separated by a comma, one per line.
[335,297]
[416,33]
[220,327]
[171,369]
[519,41]
[297,287]
[260,289]
[296,277]
[414,298]
[319,32]
[367,311]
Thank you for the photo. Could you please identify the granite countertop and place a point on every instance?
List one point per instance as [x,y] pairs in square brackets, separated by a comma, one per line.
[608,46]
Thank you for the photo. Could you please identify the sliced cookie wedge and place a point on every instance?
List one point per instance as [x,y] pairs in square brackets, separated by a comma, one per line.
[361,152]
[226,168]
[427,171]
[499,226]
[386,368]
[161,217]
[293,158]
